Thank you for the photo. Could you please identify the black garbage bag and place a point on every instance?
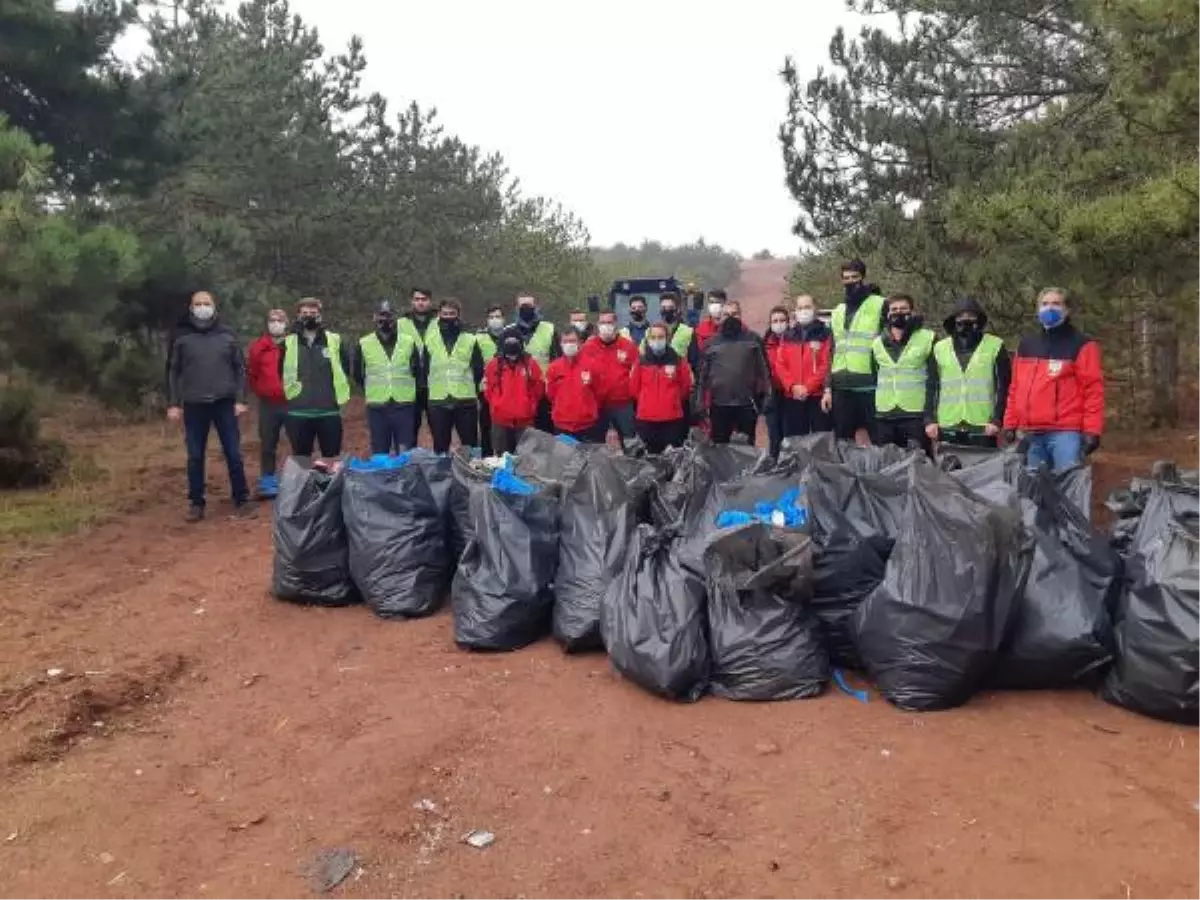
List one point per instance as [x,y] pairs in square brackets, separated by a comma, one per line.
[599,516]
[397,538]
[931,631]
[502,594]
[1157,669]
[869,503]
[1127,504]
[464,472]
[544,458]
[1075,484]
[654,621]
[696,467]
[846,569]
[823,446]
[1061,634]
[439,475]
[764,641]
[311,562]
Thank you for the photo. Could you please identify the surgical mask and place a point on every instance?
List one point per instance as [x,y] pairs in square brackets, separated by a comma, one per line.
[637,315]
[1051,316]
[581,327]
[275,328]
[668,314]
[495,324]
[527,313]
[899,320]
[658,345]
[570,348]
[606,331]
[714,310]
[309,321]
[805,316]
[203,313]
[778,327]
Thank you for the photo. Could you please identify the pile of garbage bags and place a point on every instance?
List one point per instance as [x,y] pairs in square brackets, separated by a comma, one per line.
[722,570]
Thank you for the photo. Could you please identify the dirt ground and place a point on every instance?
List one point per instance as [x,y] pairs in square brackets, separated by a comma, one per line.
[168,728]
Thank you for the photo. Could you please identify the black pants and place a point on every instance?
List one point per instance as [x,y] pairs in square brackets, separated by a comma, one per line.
[853,410]
[304,432]
[802,417]
[485,428]
[596,434]
[658,436]
[271,419]
[725,420]
[391,426]
[198,420]
[968,437]
[903,432]
[421,407]
[447,418]
[505,440]
[543,422]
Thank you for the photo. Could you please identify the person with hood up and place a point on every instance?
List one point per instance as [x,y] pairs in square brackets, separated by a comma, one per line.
[662,383]
[206,389]
[856,323]
[734,376]
[454,367]
[541,342]
[638,324]
[1056,399]
[388,369]
[514,387]
[415,323]
[816,349]
[267,386]
[571,387]
[487,338]
[315,366]
[906,377]
[974,371]
[612,357]
[711,323]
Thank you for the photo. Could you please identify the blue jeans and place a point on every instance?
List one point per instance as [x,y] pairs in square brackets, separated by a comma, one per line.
[391,426]
[198,418]
[620,419]
[1059,449]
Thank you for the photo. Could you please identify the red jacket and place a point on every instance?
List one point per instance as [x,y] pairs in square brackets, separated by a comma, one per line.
[706,331]
[811,368]
[611,363]
[662,385]
[571,386]
[262,370]
[513,391]
[1057,383]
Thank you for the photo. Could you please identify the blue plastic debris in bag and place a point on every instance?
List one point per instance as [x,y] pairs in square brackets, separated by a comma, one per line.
[508,483]
[380,462]
[732,518]
[784,512]
[567,439]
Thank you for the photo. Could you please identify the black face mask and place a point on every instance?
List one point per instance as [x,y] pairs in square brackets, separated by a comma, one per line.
[386,326]
[857,291]
[899,320]
[731,326]
[310,322]
[967,330]
[448,326]
[512,350]
[527,313]
[637,315]
[668,315]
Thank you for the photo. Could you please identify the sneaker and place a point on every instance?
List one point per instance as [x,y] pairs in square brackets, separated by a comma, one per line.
[243,510]
[268,487]
[195,513]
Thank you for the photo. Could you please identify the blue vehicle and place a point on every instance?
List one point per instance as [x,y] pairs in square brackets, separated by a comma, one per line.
[651,290]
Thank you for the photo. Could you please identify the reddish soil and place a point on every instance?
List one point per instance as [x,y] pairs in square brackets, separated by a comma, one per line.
[761,285]
[204,739]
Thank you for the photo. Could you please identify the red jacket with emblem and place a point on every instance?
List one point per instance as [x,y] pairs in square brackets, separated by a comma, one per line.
[262,370]
[513,390]
[571,388]
[662,385]
[1057,383]
[611,363]
[706,331]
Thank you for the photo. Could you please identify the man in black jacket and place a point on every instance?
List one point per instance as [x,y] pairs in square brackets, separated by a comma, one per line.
[315,367]
[734,377]
[206,389]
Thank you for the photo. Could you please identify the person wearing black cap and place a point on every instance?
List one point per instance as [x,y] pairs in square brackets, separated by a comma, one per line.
[974,371]
[415,323]
[388,369]
[856,323]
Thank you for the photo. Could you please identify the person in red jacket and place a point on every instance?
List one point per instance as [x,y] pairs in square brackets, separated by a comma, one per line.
[572,389]
[711,323]
[662,383]
[783,357]
[816,353]
[266,384]
[1056,396]
[612,356]
[513,384]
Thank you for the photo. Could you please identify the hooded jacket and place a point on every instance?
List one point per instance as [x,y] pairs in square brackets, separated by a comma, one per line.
[1001,372]
[513,390]
[205,363]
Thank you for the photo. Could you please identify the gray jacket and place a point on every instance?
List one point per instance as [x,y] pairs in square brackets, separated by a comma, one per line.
[733,370]
[205,363]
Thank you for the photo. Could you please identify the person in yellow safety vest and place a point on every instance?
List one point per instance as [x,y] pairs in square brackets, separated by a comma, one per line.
[856,322]
[638,323]
[681,337]
[974,372]
[542,344]
[488,339]
[454,369]
[415,322]
[906,378]
[314,366]
[388,369]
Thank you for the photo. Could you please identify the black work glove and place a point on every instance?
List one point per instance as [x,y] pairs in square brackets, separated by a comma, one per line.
[1091,443]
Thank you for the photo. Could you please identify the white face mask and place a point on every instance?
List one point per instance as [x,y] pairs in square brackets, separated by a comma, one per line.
[778,327]
[204,313]
[714,310]
[495,324]
[276,328]
[581,327]
[570,349]
[805,316]
[606,331]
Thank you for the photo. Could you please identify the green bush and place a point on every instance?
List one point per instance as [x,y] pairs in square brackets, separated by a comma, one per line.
[26,460]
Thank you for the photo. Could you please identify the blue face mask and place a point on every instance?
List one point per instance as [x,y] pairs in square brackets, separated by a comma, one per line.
[1051,316]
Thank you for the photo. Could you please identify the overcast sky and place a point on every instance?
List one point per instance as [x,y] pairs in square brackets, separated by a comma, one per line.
[582,100]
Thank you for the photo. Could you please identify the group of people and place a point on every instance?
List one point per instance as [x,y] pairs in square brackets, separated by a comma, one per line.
[876,373]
